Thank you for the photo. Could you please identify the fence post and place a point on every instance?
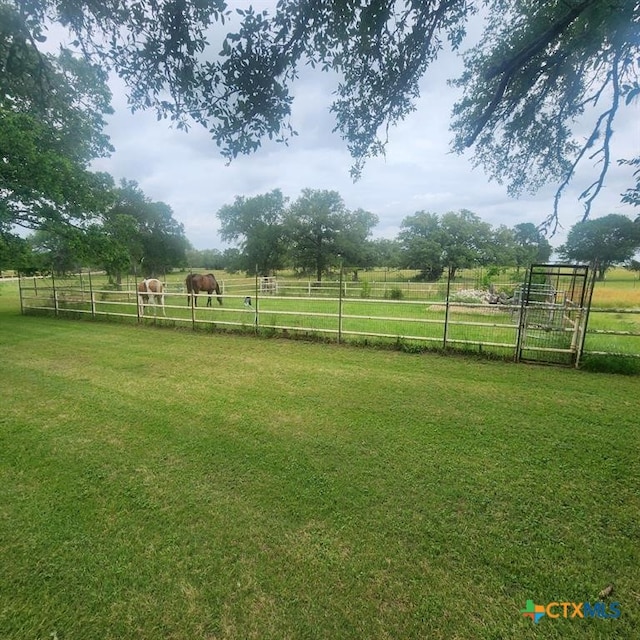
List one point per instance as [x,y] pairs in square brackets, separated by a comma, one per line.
[525,292]
[255,313]
[137,297]
[192,298]
[446,310]
[340,305]
[93,302]
[55,293]
[20,293]
[586,311]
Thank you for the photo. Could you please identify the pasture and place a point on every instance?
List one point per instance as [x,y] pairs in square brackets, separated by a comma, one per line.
[374,310]
[164,484]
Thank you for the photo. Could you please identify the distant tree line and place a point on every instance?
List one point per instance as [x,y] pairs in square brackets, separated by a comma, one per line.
[132,235]
[313,235]
[316,233]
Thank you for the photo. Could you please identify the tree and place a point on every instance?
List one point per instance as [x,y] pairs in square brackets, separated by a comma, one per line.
[51,121]
[387,252]
[531,245]
[17,253]
[465,239]
[61,250]
[232,260]
[503,247]
[209,259]
[257,225]
[454,241]
[633,265]
[537,70]
[606,241]
[420,243]
[137,234]
[632,194]
[353,244]
[115,244]
[164,244]
[322,231]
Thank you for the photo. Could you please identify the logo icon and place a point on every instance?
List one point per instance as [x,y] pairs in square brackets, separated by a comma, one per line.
[533,611]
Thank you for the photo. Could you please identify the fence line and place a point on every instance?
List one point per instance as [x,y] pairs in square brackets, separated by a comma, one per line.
[446,322]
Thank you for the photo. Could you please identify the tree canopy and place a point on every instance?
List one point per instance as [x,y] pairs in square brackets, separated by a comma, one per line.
[52,110]
[257,224]
[140,234]
[612,239]
[538,70]
[313,233]
[455,240]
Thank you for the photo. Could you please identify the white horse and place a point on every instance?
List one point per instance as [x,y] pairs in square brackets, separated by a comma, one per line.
[151,289]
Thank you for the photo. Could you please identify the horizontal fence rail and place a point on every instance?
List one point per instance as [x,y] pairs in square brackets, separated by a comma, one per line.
[348,312]
[602,340]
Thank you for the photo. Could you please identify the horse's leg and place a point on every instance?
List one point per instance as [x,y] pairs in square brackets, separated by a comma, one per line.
[164,313]
[143,300]
[209,298]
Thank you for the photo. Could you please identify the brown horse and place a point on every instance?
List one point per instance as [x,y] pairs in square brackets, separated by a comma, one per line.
[196,282]
[153,289]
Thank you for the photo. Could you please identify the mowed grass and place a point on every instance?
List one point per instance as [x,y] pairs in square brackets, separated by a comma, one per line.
[161,484]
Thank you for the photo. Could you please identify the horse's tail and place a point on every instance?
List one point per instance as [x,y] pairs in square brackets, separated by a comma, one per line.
[217,288]
[189,283]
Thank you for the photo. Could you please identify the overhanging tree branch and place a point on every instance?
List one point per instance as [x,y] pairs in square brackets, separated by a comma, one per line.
[509,68]
[607,118]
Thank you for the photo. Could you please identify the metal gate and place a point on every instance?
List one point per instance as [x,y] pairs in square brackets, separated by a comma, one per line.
[553,313]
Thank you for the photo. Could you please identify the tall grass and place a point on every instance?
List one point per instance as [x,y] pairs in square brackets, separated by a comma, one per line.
[160,484]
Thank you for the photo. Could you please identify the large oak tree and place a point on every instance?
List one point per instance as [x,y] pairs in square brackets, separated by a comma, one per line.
[323,233]
[257,225]
[612,239]
[52,111]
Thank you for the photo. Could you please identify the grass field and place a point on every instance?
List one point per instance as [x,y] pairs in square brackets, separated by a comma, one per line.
[416,323]
[161,484]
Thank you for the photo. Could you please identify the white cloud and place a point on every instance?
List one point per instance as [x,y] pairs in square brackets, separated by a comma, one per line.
[186,171]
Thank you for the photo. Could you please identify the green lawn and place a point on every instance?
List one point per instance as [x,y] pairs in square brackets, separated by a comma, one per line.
[157,483]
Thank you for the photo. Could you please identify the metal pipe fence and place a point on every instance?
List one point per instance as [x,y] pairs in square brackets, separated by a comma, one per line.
[443,315]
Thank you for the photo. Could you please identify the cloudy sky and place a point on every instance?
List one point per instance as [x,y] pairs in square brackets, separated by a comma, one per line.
[186,171]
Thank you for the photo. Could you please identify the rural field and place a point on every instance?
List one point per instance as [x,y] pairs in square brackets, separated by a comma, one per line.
[160,483]
[382,308]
